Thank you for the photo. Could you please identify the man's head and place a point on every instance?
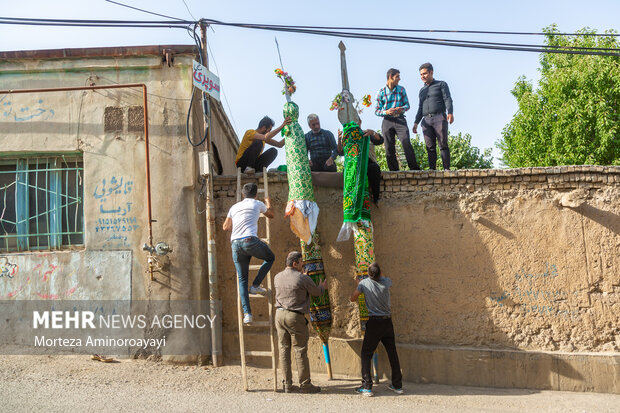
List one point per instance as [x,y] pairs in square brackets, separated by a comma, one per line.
[314,123]
[426,73]
[393,77]
[295,260]
[265,125]
[249,190]
[374,271]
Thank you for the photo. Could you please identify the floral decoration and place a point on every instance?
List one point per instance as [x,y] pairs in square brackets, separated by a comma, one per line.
[289,83]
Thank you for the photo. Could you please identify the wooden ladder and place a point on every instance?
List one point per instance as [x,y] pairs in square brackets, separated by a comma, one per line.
[269,297]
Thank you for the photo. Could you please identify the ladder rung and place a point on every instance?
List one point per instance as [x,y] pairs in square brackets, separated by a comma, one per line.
[259,295]
[255,267]
[259,353]
[260,324]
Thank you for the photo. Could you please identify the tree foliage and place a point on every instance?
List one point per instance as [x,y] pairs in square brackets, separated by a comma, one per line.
[573,117]
[462,154]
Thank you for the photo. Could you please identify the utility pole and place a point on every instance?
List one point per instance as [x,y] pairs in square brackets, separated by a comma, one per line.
[216,356]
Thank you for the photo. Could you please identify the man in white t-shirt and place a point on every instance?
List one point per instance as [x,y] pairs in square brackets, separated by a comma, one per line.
[242,219]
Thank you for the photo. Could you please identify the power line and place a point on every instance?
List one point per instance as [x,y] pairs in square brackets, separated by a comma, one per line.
[142,10]
[321,32]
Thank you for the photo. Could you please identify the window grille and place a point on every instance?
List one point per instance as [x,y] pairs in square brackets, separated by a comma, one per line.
[41,203]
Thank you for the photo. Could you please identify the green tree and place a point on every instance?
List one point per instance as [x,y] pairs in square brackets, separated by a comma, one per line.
[462,154]
[573,117]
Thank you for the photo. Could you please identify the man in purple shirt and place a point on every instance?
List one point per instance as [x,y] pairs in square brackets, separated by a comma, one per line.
[392,103]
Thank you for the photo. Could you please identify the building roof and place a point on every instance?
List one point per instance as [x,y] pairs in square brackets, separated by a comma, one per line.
[98,52]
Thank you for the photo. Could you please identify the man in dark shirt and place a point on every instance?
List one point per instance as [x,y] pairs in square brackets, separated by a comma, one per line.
[293,291]
[435,101]
[321,145]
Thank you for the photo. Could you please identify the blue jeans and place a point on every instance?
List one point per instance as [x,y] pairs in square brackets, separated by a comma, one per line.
[242,252]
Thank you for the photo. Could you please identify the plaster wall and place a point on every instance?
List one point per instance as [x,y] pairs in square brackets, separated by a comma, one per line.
[106,128]
[508,262]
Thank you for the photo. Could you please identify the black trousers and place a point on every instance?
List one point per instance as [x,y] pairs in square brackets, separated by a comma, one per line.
[374,180]
[390,129]
[318,165]
[253,158]
[380,330]
[435,129]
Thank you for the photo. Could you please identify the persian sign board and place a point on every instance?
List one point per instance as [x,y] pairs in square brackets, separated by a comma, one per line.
[206,81]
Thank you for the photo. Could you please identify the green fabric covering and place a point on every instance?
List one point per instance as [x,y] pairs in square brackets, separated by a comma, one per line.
[355,199]
[298,167]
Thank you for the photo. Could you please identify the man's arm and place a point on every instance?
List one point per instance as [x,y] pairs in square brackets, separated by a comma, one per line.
[405,102]
[268,137]
[380,106]
[340,148]
[418,117]
[356,293]
[313,289]
[227,224]
[447,100]
[269,213]
[334,147]
[375,137]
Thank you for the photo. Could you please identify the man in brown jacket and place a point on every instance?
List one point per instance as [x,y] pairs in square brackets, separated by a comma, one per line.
[293,290]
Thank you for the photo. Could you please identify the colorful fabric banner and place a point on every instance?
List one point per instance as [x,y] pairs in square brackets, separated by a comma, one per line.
[355,200]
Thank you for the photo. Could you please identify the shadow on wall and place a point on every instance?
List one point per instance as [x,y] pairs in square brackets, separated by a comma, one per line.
[445,276]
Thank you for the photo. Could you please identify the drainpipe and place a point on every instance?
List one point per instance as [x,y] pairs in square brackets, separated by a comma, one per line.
[146,143]
[216,338]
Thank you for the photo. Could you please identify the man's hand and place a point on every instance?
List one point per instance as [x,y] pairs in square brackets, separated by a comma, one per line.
[287,121]
[310,162]
[323,283]
[329,161]
[415,128]
[450,118]
[391,111]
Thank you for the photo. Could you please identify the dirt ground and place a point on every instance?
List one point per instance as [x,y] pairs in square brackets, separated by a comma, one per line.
[78,384]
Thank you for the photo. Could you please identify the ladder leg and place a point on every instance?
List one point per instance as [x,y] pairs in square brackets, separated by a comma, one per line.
[244,374]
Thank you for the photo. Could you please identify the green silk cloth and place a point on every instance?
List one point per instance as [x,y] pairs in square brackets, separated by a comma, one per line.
[355,199]
[297,165]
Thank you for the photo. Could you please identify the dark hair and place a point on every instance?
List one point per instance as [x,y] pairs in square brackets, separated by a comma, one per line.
[292,258]
[374,271]
[392,72]
[249,190]
[426,66]
[266,121]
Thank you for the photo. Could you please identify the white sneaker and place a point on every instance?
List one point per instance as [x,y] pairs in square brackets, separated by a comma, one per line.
[249,170]
[247,318]
[258,290]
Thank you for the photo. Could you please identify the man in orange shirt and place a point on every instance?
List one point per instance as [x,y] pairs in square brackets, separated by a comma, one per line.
[250,156]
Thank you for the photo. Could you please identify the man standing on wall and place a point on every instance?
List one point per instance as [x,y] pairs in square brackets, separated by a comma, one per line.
[250,156]
[242,219]
[293,291]
[321,145]
[435,100]
[392,103]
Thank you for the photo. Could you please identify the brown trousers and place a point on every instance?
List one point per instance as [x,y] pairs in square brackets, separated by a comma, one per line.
[293,331]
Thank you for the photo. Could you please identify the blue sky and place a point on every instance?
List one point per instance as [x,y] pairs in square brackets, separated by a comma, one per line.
[480,80]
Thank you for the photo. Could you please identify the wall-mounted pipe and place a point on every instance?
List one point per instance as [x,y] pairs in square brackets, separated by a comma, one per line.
[146,139]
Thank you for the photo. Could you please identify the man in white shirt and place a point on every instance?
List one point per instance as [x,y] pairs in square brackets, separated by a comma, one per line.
[242,219]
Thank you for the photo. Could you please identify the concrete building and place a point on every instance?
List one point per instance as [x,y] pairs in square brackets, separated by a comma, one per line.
[74,193]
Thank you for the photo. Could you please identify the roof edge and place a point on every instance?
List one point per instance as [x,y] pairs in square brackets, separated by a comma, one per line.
[119,51]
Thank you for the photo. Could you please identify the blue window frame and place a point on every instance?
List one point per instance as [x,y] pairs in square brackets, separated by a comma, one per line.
[41,202]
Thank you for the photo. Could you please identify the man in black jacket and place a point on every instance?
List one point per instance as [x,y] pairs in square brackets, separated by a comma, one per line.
[435,101]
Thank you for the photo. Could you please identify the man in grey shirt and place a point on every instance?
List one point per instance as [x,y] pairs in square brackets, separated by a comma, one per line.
[379,328]
[435,101]
[293,291]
